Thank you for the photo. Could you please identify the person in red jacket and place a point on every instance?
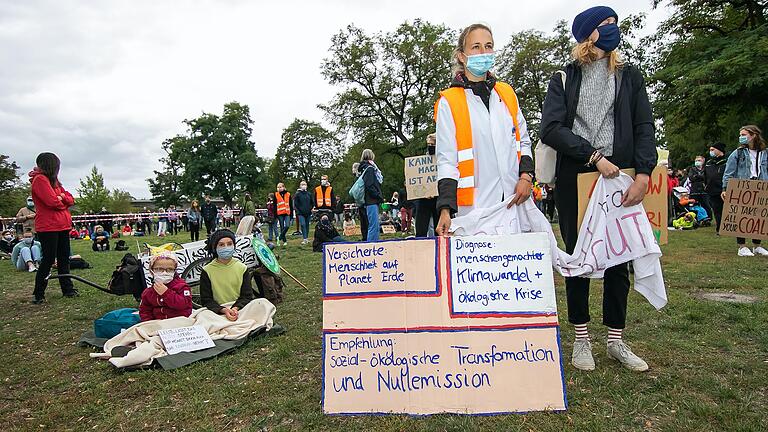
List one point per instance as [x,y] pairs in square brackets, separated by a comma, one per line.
[52,223]
[169,296]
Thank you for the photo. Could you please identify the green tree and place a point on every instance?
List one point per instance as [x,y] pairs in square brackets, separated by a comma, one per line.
[93,195]
[528,61]
[307,150]
[166,185]
[216,156]
[710,76]
[120,202]
[13,191]
[389,82]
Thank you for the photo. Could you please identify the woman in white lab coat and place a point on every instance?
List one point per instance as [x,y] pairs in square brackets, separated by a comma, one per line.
[483,151]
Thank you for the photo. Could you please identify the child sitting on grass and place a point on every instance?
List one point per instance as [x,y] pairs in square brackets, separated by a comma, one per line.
[169,296]
[225,280]
[27,253]
[100,239]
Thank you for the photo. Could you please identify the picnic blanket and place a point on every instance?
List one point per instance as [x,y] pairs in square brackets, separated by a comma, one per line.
[140,345]
[611,235]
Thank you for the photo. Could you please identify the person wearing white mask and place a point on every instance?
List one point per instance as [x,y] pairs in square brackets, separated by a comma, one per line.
[169,296]
[225,280]
[483,148]
[325,198]
[695,183]
[26,254]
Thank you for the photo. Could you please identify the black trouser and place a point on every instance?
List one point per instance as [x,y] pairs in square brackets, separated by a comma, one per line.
[147,226]
[426,210]
[194,230]
[362,214]
[716,202]
[741,241]
[54,245]
[209,225]
[616,279]
[703,199]
[96,246]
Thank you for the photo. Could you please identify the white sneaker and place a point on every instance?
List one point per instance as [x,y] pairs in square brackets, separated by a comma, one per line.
[32,269]
[582,355]
[760,251]
[745,252]
[618,350]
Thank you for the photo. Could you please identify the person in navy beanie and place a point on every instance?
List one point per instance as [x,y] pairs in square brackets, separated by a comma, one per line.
[598,119]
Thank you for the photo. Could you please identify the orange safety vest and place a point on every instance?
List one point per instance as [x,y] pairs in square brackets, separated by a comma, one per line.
[457,100]
[323,199]
[283,204]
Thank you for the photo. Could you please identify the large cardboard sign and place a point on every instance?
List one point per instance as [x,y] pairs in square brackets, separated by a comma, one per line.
[745,209]
[421,177]
[462,325]
[388,229]
[655,203]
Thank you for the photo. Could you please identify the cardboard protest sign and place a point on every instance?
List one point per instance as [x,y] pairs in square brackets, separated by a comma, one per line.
[185,339]
[352,230]
[745,209]
[421,177]
[388,229]
[412,326]
[655,203]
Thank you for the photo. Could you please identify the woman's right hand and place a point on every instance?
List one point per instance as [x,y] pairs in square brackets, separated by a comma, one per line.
[443,227]
[607,168]
[230,314]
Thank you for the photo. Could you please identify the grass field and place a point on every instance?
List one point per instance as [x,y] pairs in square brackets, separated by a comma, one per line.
[709,361]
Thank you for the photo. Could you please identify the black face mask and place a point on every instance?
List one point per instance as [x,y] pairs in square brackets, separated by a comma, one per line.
[431,149]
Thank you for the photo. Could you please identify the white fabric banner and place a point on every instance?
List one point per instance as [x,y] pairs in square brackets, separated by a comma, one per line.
[611,235]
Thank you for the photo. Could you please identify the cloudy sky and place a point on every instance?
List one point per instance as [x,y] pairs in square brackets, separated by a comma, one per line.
[104,82]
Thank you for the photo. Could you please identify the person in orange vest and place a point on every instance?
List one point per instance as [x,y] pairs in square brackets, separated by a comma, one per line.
[284,207]
[483,148]
[325,199]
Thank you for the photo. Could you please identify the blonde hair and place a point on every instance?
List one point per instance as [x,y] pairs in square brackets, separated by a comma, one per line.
[758,142]
[457,66]
[367,155]
[586,52]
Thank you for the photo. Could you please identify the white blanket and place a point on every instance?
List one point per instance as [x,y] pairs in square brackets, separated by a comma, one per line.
[146,341]
[610,235]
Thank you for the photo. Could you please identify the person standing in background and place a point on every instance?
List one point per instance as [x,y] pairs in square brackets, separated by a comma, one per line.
[284,207]
[372,177]
[426,208]
[713,180]
[361,211]
[194,218]
[210,212]
[53,223]
[748,162]
[26,216]
[302,203]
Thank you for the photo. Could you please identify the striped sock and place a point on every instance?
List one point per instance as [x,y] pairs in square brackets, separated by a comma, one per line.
[581,332]
[614,334]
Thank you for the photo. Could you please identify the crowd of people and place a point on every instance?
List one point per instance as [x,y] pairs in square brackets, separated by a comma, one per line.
[596,116]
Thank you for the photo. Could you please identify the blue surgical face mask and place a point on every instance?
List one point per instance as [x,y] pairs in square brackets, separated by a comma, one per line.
[28,240]
[743,139]
[712,154]
[610,37]
[698,163]
[479,64]
[225,252]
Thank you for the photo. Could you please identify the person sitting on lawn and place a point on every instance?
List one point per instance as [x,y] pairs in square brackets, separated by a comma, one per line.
[325,232]
[74,234]
[27,253]
[225,284]
[127,230]
[685,222]
[7,242]
[83,232]
[100,239]
[348,221]
[169,296]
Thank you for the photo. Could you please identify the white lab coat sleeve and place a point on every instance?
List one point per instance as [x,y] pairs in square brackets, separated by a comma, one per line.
[446,149]
[525,137]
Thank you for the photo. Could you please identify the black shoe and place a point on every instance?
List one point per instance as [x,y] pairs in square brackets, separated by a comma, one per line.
[38,301]
[73,293]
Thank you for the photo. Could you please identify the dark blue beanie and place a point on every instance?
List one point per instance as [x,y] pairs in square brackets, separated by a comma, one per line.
[586,22]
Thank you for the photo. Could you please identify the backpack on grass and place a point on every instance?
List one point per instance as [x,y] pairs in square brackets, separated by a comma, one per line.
[128,277]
